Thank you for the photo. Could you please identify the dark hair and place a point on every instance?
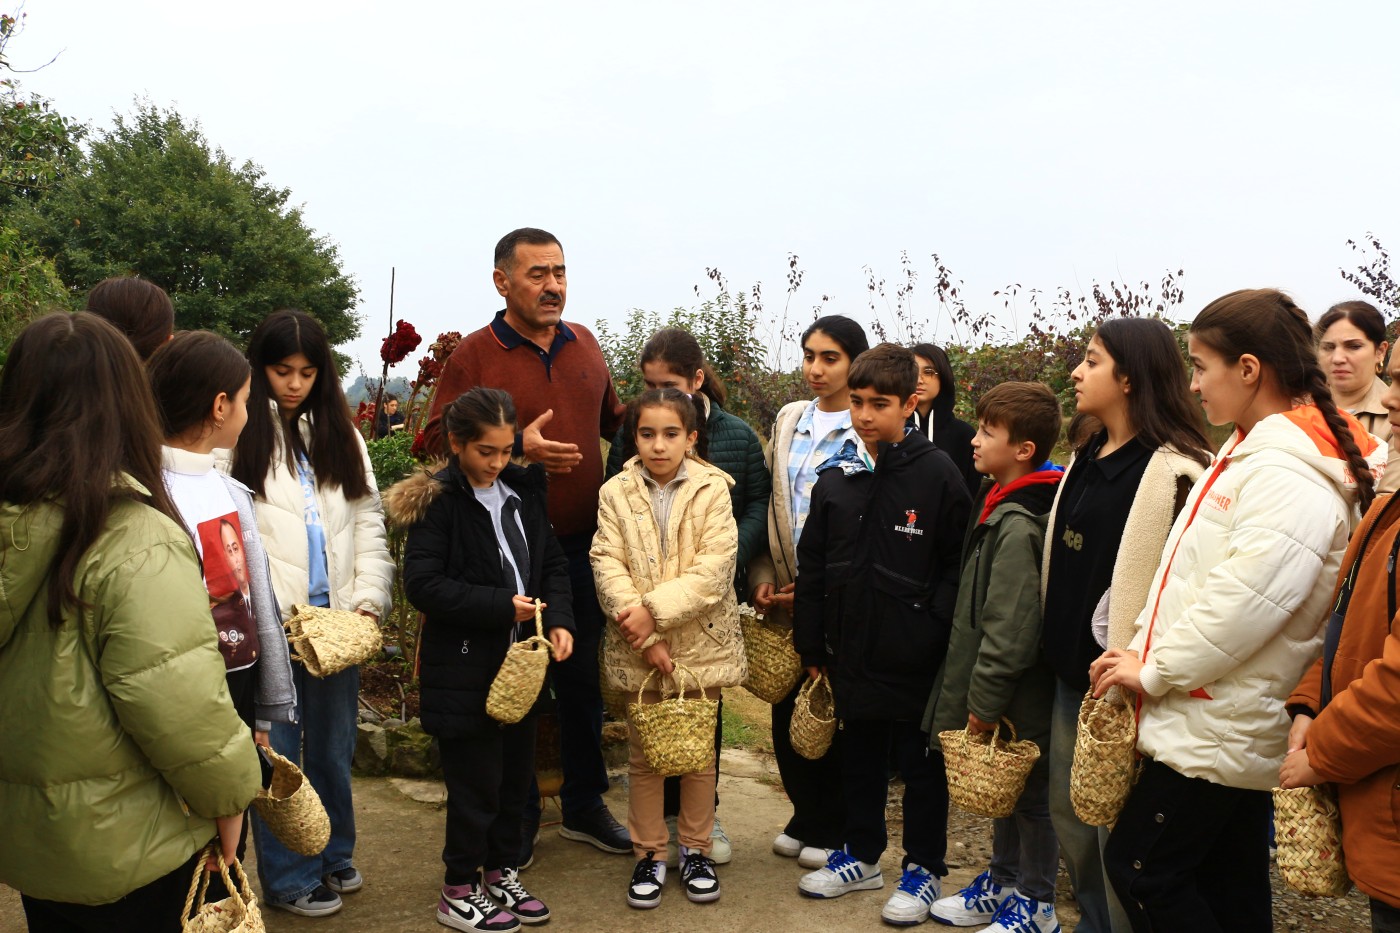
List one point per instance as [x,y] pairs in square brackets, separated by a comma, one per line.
[678,349]
[75,414]
[1361,313]
[505,249]
[469,415]
[1160,407]
[1265,323]
[687,407]
[138,308]
[1028,411]
[390,397]
[888,368]
[849,335]
[188,372]
[335,451]
[947,395]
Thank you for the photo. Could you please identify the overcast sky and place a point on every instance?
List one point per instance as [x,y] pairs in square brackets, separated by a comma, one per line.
[1044,144]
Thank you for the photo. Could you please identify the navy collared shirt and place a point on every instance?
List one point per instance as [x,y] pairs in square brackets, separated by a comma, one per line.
[510,338]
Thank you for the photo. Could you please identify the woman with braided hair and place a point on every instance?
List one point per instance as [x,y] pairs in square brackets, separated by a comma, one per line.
[1234,616]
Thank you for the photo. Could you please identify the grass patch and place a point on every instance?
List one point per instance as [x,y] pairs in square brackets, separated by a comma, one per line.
[736,731]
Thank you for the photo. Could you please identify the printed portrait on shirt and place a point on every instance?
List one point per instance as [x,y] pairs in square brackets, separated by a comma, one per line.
[230,598]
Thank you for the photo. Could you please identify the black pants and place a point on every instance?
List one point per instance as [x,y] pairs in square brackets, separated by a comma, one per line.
[865,752]
[1188,854]
[154,908]
[1384,918]
[812,786]
[671,787]
[488,779]
[578,699]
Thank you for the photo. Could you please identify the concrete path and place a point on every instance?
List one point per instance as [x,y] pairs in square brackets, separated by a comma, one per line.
[399,850]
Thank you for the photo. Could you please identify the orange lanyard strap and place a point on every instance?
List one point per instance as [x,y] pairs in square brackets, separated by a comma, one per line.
[1166,573]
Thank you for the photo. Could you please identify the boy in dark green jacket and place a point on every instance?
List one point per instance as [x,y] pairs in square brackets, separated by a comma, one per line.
[993,669]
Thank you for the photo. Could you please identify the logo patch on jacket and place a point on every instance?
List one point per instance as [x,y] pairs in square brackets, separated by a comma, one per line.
[908,529]
[1218,502]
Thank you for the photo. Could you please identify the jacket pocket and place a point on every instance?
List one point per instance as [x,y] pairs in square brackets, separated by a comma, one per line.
[904,635]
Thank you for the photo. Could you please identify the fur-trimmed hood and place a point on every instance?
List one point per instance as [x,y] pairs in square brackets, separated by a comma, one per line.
[407,501]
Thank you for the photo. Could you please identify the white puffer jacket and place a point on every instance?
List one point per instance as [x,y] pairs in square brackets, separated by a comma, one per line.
[360,570]
[1246,597]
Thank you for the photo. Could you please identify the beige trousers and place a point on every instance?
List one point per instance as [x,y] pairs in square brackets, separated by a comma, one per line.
[646,819]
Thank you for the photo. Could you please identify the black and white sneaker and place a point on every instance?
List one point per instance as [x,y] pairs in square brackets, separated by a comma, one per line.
[504,886]
[466,907]
[647,879]
[322,902]
[345,881]
[698,876]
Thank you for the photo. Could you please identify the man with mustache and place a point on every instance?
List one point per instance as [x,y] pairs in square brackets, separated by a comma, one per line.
[565,399]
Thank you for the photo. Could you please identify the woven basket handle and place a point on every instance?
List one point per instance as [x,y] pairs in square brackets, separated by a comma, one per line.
[681,670]
[996,735]
[200,881]
[539,620]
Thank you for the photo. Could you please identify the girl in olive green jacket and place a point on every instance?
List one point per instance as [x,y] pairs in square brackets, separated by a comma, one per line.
[121,755]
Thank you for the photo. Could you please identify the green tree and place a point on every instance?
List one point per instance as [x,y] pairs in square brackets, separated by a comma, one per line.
[154,198]
[38,145]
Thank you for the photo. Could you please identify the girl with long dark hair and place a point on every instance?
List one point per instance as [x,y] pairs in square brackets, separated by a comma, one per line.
[321,522]
[933,415]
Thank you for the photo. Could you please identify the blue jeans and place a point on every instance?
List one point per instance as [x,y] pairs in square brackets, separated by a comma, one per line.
[322,743]
[1080,844]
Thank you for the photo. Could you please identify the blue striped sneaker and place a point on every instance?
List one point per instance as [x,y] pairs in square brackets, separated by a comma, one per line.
[1022,915]
[973,906]
[842,875]
[909,904]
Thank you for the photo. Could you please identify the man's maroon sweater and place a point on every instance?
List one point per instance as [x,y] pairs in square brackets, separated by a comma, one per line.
[571,378]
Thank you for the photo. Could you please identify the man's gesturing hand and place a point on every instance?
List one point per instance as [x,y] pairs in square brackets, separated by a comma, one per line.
[556,456]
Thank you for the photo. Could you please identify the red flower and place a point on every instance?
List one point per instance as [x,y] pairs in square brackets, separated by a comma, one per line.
[403,341]
[417,448]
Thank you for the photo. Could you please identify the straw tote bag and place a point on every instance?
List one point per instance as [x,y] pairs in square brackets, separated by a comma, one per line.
[292,809]
[986,773]
[1308,832]
[237,913]
[678,736]
[521,678]
[813,718]
[328,641]
[774,667]
[1105,758]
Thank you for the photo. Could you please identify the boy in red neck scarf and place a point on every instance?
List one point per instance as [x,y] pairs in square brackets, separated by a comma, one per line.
[994,670]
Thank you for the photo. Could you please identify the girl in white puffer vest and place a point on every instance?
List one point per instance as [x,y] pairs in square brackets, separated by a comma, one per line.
[1234,616]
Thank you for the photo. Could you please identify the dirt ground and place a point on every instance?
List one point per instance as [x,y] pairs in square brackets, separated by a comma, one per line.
[400,840]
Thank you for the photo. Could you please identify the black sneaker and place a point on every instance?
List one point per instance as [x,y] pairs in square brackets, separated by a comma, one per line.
[321,902]
[529,835]
[647,878]
[598,828]
[698,876]
[345,881]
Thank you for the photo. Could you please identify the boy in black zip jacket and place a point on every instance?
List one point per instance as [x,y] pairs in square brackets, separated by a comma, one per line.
[877,579]
[479,550]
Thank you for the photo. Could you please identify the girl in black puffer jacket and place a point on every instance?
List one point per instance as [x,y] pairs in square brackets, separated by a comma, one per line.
[480,550]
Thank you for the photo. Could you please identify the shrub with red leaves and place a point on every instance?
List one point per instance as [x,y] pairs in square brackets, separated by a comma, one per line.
[398,345]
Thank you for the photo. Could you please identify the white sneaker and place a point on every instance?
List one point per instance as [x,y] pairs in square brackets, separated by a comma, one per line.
[648,878]
[842,875]
[788,847]
[721,850]
[975,905]
[1022,915]
[813,856]
[909,903]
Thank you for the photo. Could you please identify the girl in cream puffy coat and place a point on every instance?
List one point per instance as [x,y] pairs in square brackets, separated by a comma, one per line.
[663,559]
[1234,615]
[323,528]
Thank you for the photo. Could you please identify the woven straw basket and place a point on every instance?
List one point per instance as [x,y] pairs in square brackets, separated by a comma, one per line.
[237,913]
[774,668]
[678,736]
[521,677]
[328,641]
[292,809]
[986,774]
[1105,753]
[1308,831]
[813,718]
